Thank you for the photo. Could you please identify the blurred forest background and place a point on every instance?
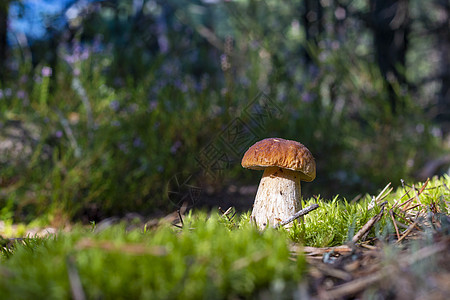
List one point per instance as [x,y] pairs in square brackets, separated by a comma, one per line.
[113,106]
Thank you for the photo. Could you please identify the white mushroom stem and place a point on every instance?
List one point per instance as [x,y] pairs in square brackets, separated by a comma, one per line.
[278,197]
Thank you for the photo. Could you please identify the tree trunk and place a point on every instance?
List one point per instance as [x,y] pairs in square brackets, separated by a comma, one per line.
[4,6]
[312,18]
[444,94]
[390,24]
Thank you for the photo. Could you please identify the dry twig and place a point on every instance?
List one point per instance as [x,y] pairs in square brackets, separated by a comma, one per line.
[368,226]
[409,229]
[382,194]
[311,251]
[391,213]
[74,279]
[297,215]
[226,213]
[416,195]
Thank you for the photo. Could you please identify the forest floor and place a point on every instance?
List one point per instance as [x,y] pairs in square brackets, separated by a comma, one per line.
[400,271]
[409,267]
[411,261]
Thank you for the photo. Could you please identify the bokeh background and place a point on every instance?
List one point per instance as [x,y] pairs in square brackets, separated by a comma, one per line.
[117,106]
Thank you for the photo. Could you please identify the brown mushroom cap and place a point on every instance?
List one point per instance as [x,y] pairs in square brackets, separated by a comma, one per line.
[277,152]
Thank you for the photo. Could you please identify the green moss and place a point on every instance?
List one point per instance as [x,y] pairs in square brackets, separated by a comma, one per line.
[336,222]
[204,260]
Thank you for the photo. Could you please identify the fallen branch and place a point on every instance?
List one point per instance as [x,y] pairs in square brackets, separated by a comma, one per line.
[410,228]
[416,196]
[297,215]
[368,226]
[312,251]
[382,194]
[391,213]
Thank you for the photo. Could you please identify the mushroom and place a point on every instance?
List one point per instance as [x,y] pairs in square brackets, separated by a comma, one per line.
[285,163]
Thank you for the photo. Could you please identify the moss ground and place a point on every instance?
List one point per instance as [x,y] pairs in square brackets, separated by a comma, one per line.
[216,256]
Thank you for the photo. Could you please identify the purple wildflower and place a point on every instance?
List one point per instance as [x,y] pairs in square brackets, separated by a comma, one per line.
[85,54]
[21,94]
[175,147]
[70,59]
[244,81]
[307,97]
[77,49]
[313,70]
[23,79]
[198,86]
[153,105]
[132,108]
[163,43]
[37,78]
[115,123]
[137,142]
[46,71]
[114,105]
[340,13]
[97,44]
[123,147]
[76,72]
[180,85]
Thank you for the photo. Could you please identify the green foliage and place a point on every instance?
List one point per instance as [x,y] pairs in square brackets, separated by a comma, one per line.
[203,260]
[101,145]
[336,222]
[333,223]
[118,118]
